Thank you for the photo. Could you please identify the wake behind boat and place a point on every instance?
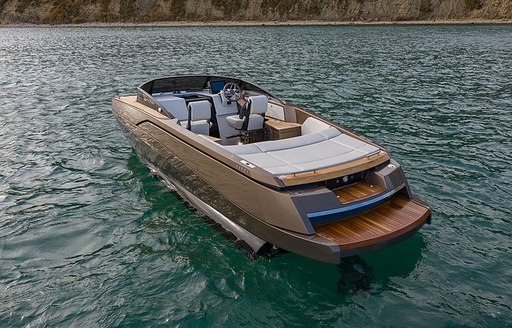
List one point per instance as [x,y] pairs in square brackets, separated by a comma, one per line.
[271,173]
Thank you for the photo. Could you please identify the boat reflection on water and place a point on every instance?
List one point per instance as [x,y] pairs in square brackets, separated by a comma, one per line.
[360,272]
[356,274]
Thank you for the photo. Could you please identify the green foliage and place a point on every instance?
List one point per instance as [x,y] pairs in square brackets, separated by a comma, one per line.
[2,3]
[78,11]
[178,9]
[425,7]
[22,6]
[230,8]
[127,10]
[106,13]
[65,11]
[473,4]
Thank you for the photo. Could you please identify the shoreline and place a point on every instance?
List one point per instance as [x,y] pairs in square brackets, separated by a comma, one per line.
[270,23]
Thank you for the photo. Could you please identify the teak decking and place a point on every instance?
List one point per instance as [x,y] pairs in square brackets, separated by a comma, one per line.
[356,192]
[132,100]
[391,219]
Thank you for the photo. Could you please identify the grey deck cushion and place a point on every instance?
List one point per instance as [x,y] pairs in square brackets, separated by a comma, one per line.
[243,149]
[308,152]
[199,127]
[255,122]
[176,106]
[301,141]
[330,133]
[354,143]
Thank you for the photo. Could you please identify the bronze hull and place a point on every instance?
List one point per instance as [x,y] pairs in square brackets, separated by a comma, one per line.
[272,215]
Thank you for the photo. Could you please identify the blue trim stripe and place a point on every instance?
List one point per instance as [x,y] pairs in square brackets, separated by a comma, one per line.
[348,210]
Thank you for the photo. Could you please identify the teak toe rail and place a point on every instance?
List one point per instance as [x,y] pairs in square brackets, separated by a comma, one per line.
[336,171]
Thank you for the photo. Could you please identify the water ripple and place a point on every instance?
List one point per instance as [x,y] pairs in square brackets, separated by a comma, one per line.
[89,238]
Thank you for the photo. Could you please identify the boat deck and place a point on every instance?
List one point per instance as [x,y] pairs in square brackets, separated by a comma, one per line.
[397,216]
[132,100]
[358,191]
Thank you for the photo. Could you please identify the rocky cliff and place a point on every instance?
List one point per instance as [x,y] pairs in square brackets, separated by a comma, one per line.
[143,11]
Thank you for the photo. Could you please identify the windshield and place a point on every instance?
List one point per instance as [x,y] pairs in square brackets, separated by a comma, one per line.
[178,84]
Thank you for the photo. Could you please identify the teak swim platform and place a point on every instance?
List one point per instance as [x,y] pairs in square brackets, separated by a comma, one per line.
[273,174]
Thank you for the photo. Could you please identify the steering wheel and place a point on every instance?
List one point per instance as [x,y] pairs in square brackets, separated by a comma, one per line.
[232,92]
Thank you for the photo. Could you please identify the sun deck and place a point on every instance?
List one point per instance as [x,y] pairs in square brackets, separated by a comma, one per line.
[308,152]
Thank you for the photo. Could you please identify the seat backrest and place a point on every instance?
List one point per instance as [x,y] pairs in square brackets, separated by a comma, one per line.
[175,106]
[312,125]
[275,111]
[257,107]
[199,117]
[258,104]
[200,110]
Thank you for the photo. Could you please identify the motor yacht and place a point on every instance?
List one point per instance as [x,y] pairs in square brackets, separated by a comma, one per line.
[273,174]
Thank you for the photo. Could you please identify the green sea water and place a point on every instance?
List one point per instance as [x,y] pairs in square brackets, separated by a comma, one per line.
[89,238]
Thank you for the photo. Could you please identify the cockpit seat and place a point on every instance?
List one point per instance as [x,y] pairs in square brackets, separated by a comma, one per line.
[199,115]
[251,117]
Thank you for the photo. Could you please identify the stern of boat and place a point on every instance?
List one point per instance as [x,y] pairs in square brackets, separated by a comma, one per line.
[370,211]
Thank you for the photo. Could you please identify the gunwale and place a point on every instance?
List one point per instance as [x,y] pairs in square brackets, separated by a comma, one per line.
[293,179]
